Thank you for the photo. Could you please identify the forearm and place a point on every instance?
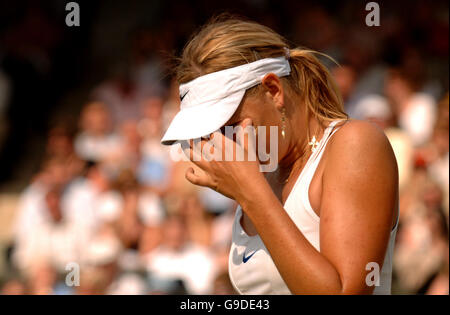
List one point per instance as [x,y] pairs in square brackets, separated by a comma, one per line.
[303,268]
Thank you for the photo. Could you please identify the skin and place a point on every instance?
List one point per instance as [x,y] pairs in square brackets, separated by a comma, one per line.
[354,191]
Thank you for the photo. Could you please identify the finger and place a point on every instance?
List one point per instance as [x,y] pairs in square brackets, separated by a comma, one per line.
[201,149]
[207,149]
[233,150]
[192,150]
[247,139]
[193,154]
[186,147]
[196,148]
[225,145]
[217,140]
[198,179]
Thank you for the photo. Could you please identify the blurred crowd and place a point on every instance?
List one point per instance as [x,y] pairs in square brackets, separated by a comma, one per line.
[109,210]
[112,201]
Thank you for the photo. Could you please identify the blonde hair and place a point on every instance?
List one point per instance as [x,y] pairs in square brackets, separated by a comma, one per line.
[229,42]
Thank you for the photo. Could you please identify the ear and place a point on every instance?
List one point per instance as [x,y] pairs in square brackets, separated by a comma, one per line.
[273,89]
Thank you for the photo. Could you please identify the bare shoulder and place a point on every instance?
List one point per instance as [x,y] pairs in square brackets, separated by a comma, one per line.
[363,145]
[359,136]
[359,132]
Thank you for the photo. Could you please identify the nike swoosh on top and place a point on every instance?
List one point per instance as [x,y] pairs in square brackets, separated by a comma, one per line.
[181,97]
[245,259]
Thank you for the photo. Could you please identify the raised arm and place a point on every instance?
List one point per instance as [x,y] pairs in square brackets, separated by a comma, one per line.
[357,210]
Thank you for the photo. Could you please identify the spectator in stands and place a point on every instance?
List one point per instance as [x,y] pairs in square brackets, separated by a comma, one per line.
[96,140]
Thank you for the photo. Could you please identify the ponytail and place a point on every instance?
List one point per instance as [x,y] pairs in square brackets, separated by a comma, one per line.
[314,83]
[227,43]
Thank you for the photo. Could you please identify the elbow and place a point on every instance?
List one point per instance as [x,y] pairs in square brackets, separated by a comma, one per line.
[360,289]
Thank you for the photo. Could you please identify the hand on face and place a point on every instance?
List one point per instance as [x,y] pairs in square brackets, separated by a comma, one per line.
[228,166]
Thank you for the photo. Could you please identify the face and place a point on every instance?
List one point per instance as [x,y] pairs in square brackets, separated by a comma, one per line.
[53,205]
[264,108]
[96,119]
[174,233]
[345,78]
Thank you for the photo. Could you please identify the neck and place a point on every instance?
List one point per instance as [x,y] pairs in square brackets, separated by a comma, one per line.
[299,149]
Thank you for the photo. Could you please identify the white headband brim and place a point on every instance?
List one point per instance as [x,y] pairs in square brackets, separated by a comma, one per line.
[209,101]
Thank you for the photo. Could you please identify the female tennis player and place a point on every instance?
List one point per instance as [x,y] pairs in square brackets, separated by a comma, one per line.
[324,221]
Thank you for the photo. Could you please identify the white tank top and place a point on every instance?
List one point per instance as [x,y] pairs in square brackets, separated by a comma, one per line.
[250,267]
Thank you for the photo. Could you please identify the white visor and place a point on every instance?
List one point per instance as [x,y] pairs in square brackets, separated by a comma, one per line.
[209,101]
